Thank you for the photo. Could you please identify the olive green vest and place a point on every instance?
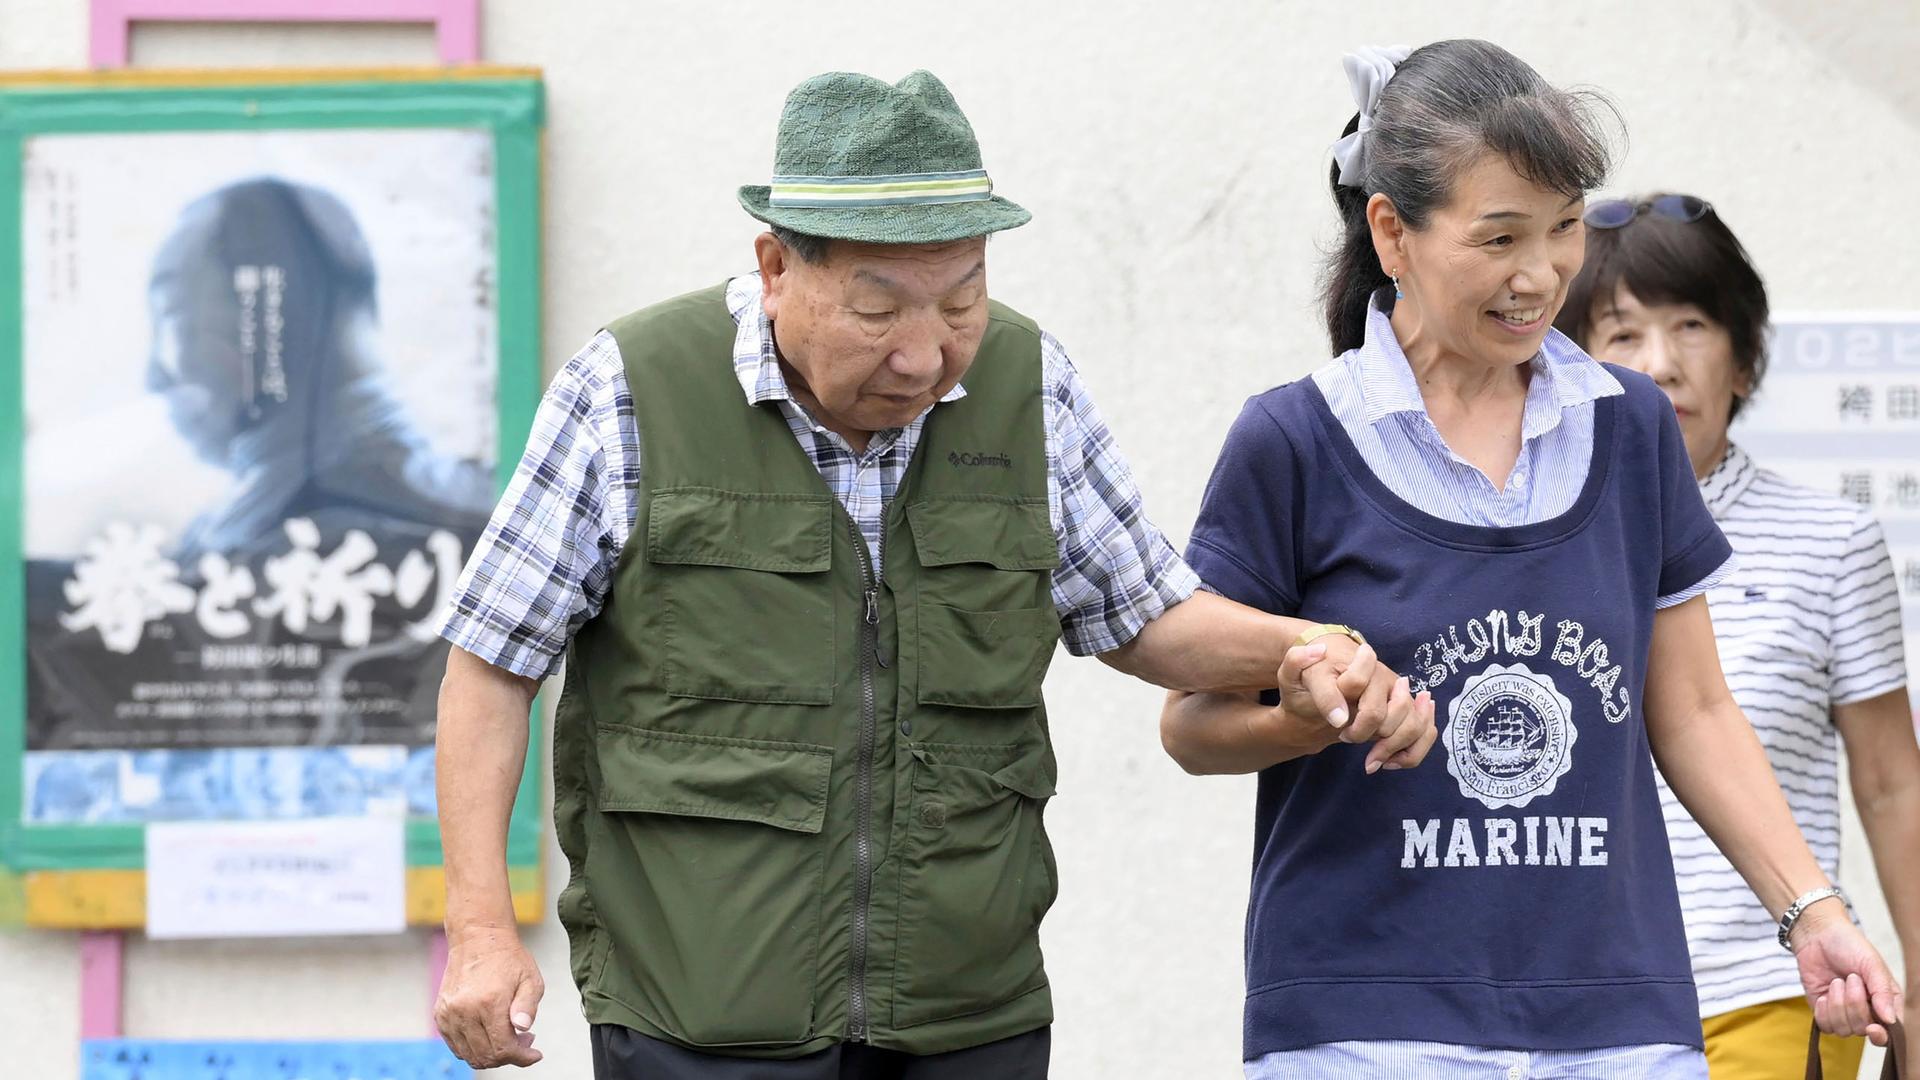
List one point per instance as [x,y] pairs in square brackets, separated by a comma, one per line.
[801,806]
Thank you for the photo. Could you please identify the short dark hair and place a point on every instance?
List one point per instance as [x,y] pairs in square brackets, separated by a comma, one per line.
[811,249]
[1446,106]
[1664,261]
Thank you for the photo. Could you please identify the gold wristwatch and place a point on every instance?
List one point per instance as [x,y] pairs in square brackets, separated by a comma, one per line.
[1314,633]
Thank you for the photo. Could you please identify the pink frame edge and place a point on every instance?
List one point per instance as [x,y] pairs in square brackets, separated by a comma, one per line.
[456,22]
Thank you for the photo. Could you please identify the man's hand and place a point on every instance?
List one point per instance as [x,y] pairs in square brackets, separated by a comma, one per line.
[1850,987]
[488,999]
[1347,688]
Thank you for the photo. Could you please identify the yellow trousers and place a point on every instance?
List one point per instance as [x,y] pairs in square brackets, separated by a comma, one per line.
[1769,1042]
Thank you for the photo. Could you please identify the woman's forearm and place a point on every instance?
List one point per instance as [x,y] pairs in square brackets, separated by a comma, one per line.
[1892,824]
[1714,762]
[1883,763]
[1234,733]
[1717,768]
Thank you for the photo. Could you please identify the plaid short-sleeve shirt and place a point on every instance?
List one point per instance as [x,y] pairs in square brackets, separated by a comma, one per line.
[546,560]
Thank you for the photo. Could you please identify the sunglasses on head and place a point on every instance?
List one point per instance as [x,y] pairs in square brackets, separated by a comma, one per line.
[1619,213]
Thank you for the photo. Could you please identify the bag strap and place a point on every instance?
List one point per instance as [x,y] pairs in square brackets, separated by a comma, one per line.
[1894,1067]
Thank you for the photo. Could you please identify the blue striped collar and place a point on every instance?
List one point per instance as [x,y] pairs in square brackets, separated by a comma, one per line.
[756,361]
[1728,481]
[1564,377]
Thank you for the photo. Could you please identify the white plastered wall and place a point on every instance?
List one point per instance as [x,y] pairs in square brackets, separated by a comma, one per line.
[1174,159]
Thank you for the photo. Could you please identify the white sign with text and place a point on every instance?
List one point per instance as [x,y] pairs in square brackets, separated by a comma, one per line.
[1839,412]
[276,879]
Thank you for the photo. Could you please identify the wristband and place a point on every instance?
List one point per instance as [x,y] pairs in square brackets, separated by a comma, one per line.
[1799,907]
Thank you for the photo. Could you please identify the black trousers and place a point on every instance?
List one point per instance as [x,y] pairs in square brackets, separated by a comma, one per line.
[620,1053]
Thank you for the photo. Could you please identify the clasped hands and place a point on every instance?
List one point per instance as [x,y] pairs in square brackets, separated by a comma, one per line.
[1337,691]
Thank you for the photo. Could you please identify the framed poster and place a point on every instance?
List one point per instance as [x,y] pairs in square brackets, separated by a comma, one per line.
[1840,413]
[268,350]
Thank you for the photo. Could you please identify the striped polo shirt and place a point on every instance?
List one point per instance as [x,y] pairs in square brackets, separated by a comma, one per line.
[1808,619]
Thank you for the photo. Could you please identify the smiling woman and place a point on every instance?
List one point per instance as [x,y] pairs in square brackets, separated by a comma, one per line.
[1463,466]
[1426,141]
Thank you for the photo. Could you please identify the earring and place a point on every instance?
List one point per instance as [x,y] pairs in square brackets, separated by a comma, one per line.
[1395,275]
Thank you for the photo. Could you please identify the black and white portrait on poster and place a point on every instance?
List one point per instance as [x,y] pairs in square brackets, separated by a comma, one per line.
[259,378]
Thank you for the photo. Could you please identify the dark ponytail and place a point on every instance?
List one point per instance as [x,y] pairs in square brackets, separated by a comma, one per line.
[1446,105]
[1352,275]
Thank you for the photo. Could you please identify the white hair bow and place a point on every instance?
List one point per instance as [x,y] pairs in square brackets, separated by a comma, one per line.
[1368,70]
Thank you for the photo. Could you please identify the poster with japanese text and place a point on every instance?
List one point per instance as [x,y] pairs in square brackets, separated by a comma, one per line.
[275,352]
[1839,412]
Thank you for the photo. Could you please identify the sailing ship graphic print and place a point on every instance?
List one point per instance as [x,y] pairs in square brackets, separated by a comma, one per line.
[1509,736]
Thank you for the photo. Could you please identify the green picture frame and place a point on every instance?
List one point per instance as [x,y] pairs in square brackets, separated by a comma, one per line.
[90,874]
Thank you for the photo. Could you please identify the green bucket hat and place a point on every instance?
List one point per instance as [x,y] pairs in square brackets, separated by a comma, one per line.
[857,159]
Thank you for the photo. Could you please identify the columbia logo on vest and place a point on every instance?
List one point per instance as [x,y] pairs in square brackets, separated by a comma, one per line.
[998,461]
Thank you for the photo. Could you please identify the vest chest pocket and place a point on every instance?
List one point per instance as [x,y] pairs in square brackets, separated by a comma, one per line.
[749,603]
[984,612]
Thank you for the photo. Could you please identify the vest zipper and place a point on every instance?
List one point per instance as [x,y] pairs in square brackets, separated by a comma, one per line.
[863,791]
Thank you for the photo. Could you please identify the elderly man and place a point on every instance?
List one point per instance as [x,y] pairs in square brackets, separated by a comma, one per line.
[807,540]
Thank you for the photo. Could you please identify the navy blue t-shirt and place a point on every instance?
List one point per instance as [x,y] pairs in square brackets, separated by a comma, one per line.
[1515,890]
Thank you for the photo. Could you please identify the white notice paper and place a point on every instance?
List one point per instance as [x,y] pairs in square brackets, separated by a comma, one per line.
[276,878]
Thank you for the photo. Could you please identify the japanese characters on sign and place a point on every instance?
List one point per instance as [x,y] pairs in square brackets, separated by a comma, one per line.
[272,344]
[1840,412]
[245,515]
[124,581]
